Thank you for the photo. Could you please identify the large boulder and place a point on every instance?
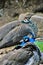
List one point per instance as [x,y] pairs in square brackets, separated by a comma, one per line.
[23,56]
[38,18]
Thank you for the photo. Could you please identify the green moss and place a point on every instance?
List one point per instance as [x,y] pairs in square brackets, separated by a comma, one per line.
[40,45]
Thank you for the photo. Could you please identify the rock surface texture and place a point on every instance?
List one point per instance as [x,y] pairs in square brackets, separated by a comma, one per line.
[38,18]
[24,56]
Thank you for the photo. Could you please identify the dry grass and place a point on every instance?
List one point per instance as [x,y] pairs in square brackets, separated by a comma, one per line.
[4,51]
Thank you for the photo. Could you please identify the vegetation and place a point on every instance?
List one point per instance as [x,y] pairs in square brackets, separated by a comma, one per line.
[40,45]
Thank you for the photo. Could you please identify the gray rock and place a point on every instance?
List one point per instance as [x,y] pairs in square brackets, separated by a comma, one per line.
[39,9]
[42,57]
[15,35]
[7,27]
[38,18]
[1,12]
[23,56]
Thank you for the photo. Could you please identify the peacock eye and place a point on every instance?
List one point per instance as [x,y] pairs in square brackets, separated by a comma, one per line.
[26,39]
[26,21]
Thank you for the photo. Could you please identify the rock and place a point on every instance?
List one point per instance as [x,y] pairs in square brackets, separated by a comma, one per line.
[42,57]
[8,27]
[1,12]
[15,14]
[38,18]
[23,56]
[39,9]
[15,35]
